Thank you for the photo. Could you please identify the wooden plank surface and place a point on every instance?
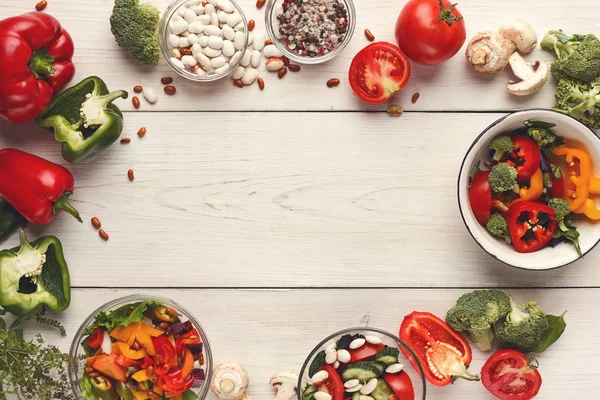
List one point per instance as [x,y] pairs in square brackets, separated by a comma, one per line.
[451,86]
[281,200]
[269,331]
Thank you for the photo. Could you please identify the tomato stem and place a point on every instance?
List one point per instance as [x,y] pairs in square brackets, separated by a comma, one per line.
[446,14]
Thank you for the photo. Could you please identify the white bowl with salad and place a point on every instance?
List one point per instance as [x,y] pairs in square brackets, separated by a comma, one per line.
[361,364]
[528,189]
[140,348]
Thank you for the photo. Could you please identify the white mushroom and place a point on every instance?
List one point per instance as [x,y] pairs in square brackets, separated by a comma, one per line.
[532,76]
[230,381]
[286,384]
[489,52]
[522,33]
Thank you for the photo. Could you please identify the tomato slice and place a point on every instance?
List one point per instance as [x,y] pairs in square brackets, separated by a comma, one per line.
[365,352]
[401,384]
[509,375]
[96,338]
[480,197]
[334,385]
[378,72]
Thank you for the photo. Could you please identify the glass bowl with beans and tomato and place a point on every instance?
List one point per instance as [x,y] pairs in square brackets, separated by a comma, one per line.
[140,347]
[528,189]
[361,364]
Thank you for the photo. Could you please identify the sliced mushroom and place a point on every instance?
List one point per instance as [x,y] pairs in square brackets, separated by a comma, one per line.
[532,76]
[230,381]
[522,33]
[286,384]
[489,52]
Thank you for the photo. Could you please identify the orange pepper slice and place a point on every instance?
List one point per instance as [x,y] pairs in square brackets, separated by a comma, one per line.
[581,180]
[535,190]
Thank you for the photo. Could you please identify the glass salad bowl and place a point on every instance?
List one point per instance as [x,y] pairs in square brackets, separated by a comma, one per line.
[130,366]
[369,360]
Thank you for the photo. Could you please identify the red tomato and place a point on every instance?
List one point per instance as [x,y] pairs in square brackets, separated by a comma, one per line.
[401,385]
[365,352]
[430,31]
[509,375]
[480,197]
[96,338]
[165,355]
[378,72]
[334,384]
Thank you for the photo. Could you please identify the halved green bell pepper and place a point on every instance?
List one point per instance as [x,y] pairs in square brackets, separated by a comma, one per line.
[84,119]
[34,276]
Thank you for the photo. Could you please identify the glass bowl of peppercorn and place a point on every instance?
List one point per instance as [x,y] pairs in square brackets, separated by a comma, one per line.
[310,31]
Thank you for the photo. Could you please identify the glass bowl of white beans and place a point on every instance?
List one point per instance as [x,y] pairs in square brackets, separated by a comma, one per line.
[203,43]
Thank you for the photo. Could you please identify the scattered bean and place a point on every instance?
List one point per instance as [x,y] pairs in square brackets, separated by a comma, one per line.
[272,51]
[282,72]
[141,132]
[130,175]
[41,6]
[185,51]
[125,140]
[103,235]
[294,67]
[150,95]
[286,61]
[238,73]
[369,35]
[333,82]
[170,90]
[250,75]
[394,110]
[251,25]
[166,80]
[136,102]
[96,223]
[415,97]
[260,3]
[261,83]
[138,89]
[274,64]
[238,83]
[268,42]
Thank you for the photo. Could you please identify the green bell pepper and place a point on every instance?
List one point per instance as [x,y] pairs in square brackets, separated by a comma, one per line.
[34,276]
[84,119]
[103,388]
[10,220]
[123,391]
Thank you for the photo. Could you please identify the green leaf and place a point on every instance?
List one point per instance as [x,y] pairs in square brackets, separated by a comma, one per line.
[137,315]
[189,395]
[86,387]
[556,327]
[538,124]
[123,316]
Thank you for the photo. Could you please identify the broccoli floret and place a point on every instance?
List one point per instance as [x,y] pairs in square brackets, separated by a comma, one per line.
[541,135]
[561,208]
[561,211]
[523,330]
[501,145]
[560,44]
[135,27]
[476,313]
[579,100]
[503,178]
[497,227]
[582,63]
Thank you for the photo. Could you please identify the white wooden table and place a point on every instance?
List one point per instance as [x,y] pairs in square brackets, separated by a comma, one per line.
[279,217]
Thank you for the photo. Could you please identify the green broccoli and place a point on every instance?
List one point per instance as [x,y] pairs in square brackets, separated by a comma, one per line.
[577,59]
[501,145]
[135,27]
[523,330]
[503,178]
[541,135]
[476,313]
[560,44]
[497,227]
[579,100]
[570,233]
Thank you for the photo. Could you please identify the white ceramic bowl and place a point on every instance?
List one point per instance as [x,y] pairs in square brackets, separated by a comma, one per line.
[548,257]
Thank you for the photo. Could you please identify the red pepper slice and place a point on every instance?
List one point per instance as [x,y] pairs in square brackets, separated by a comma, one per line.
[558,186]
[165,355]
[96,338]
[526,156]
[146,362]
[127,362]
[174,383]
[190,337]
[443,352]
[480,197]
[531,225]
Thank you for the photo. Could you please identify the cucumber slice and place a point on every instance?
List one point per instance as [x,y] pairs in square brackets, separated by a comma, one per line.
[316,363]
[382,390]
[388,356]
[376,364]
[356,396]
[363,371]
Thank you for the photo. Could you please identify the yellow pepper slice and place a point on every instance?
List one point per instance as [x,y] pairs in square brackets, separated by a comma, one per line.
[535,190]
[582,180]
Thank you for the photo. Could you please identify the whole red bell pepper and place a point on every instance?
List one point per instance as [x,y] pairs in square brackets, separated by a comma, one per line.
[35,64]
[531,225]
[38,189]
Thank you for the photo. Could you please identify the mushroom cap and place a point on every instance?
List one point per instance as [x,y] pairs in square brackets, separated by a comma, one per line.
[230,380]
[489,52]
[532,76]
[522,33]
[286,383]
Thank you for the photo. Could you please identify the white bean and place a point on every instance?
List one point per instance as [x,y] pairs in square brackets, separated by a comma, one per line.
[250,38]
[330,356]
[239,27]
[203,41]
[228,49]
[211,30]
[373,339]
[181,11]
[215,42]
[222,70]
[218,62]
[184,34]
[192,3]
[344,356]
[250,76]
[178,26]
[176,53]
[214,19]
[272,51]
[199,10]
[322,396]
[190,61]
[190,16]
[351,383]
[238,73]
[238,40]
[258,40]
[225,5]
[192,39]
[204,61]
[177,63]
[228,32]
[255,58]
[222,16]
[320,377]
[183,42]
[394,368]
[212,2]
[150,95]
[200,72]
[234,19]
[196,49]
[356,343]
[205,19]
[235,58]
[354,388]
[209,9]
[246,58]
[196,27]
[212,52]
[369,387]
[173,40]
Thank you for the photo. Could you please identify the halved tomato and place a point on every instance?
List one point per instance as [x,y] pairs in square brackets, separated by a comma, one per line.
[378,72]
[365,352]
[509,375]
[401,384]
[334,385]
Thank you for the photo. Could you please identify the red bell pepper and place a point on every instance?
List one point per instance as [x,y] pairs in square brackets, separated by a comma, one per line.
[38,189]
[531,225]
[526,157]
[96,338]
[443,352]
[190,337]
[165,355]
[174,383]
[35,60]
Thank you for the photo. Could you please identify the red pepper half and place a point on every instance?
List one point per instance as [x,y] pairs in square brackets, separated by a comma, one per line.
[531,225]
[190,337]
[35,60]
[443,352]
[165,355]
[96,338]
[174,383]
[38,189]
[526,157]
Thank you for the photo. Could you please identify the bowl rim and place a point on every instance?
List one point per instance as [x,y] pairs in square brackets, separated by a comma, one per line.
[163,34]
[459,189]
[269,11]
[120,301]
[401,343]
